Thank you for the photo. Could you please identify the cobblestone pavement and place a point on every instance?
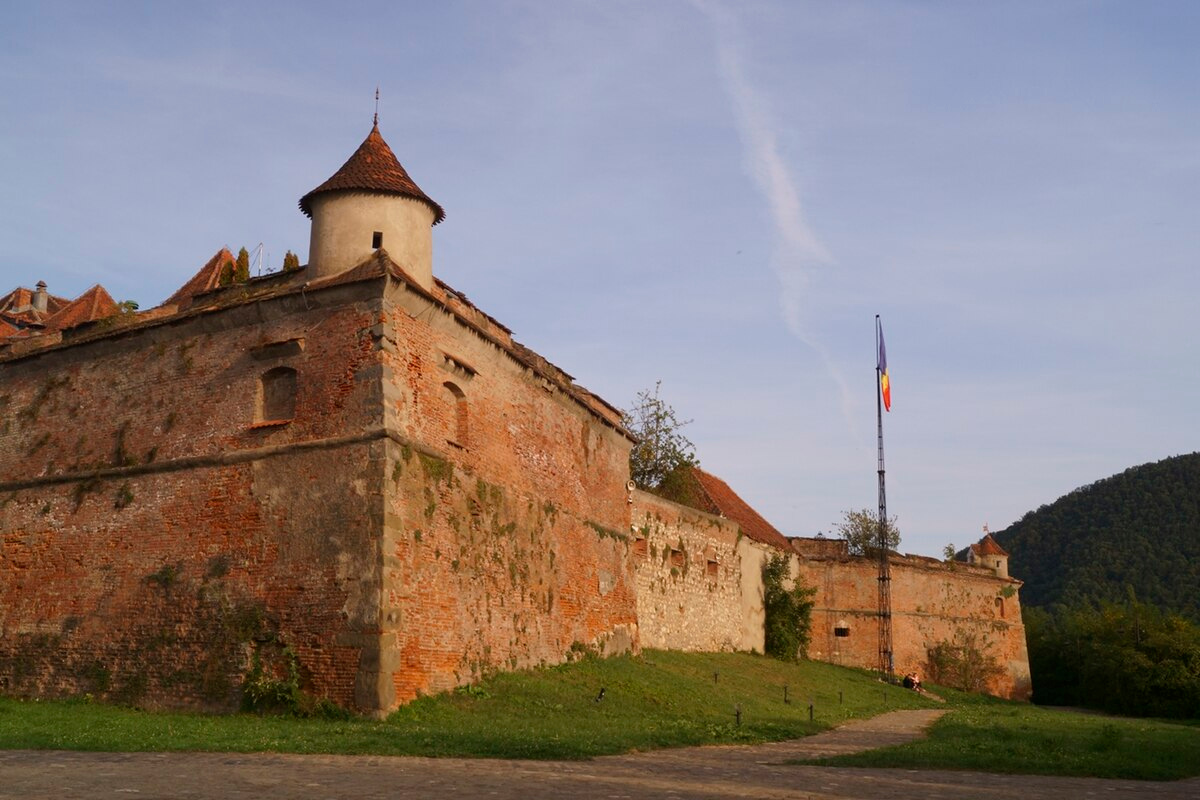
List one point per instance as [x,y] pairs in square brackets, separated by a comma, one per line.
[694,772]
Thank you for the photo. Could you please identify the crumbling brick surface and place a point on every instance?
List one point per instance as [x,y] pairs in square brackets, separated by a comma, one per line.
[931,602]
[153,538]
[441,504]
[398,535]
[507,525]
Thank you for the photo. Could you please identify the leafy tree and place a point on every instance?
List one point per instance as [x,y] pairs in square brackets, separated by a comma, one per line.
[860,529]
[787,612]
[241,272]
[291,261]
[660,461]
[1125,658]
[227,273]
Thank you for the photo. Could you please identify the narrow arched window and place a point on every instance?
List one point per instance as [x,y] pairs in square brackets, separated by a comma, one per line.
[458,414]
[1000,606]
[276,395]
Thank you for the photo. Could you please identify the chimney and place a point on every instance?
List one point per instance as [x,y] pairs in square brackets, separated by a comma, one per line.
[40,297]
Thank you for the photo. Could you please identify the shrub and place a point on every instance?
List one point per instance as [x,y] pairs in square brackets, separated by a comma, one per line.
[963,663]
[787,622]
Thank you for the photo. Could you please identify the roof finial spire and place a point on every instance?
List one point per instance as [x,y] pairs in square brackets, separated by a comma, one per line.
[376,121]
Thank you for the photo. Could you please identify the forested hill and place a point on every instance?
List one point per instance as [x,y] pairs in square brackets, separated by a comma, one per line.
[1138,529]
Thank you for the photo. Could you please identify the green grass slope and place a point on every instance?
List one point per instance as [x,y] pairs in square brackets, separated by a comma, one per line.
[658,699]
[1138,529]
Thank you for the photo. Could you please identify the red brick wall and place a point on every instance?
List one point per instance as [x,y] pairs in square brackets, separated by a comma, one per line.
[510,545]
[523,432]
[151,539]
[398,536]
[931,602]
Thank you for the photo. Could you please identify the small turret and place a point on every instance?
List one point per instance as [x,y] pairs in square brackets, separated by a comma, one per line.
[987,553]
[368,204]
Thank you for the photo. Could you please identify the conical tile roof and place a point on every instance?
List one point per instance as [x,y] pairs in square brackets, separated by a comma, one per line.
[373,168]
[209,277]
[988,547]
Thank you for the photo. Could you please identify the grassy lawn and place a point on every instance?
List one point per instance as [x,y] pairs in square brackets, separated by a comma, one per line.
[659,699]
[995,736]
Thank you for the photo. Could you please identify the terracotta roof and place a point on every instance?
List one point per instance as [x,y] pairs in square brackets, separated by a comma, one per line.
[373,168]
[6,330]
[21,322]
[722,500]
[207,278]
[22,299]
[988,547]
[93,304]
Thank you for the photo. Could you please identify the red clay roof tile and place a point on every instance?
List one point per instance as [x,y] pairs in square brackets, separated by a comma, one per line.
[19,297]
[93,304]
[722,500]
[18,305]
[373,168]
[209,277]
[988,547]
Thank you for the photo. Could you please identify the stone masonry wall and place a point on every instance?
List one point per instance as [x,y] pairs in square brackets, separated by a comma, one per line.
[506,538]
[931,602]
[152,537]
[688,576]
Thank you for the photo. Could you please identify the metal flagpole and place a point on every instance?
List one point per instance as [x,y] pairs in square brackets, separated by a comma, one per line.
[886,665]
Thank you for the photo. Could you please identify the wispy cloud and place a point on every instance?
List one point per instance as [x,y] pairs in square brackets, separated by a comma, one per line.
[799,253]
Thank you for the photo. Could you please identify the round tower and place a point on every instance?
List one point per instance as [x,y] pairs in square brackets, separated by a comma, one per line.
[368,204]
[988,553]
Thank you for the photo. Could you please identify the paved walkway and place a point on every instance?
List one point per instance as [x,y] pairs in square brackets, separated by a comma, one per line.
[694,772]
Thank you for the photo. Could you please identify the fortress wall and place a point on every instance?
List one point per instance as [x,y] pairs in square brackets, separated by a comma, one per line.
[187,388]
[521,430]
[688,577]
[151,539]
[435,510]
[753,556]
[507,537]
[931,602]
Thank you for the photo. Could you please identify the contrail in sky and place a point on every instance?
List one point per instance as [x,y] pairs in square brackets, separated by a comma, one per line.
[799,252]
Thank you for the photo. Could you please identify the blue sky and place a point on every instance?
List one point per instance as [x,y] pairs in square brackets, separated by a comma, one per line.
[720,196]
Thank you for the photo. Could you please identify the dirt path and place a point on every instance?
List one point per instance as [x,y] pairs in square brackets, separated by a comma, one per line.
[694,772]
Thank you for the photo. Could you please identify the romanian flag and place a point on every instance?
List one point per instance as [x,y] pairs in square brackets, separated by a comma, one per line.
[885,383]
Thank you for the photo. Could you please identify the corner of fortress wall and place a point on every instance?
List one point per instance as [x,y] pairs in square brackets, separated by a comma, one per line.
[157,534]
